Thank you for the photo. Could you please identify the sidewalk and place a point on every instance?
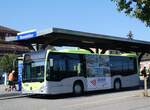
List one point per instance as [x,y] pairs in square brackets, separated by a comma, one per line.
[4,93]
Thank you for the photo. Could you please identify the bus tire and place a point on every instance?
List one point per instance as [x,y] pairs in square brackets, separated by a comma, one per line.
[78,88]
[117,84]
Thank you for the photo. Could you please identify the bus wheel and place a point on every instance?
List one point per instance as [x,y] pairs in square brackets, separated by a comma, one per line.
[117,84]
[78,89]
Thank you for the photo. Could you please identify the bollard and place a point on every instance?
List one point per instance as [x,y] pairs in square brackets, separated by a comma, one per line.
[145,87]
[5,78]
[20,67]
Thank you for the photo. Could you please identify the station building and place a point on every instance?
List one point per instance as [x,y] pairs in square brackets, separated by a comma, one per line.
[7,34]
[6,47]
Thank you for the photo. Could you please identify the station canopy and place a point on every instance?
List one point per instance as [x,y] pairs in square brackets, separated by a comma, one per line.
[65,37]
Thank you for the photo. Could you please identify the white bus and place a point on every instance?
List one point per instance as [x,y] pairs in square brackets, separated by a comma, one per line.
[77,71]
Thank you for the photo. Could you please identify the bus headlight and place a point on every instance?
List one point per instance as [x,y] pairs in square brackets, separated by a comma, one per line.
[43,88]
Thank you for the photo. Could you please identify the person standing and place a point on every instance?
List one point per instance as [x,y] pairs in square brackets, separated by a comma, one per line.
[148,70]
[11,78]
[144,72]
[148,74]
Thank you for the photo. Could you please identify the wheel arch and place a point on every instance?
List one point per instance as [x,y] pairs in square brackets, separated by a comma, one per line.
[119,80]
[80,82]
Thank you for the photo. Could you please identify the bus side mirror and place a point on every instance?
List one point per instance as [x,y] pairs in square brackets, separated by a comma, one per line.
[51,62]
[79,68]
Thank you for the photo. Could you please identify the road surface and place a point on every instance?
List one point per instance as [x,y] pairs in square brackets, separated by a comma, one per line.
[125,100]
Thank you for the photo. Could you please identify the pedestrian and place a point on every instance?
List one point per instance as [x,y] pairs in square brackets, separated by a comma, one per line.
[148,73]
[144,72]
[11,80]
[148,70]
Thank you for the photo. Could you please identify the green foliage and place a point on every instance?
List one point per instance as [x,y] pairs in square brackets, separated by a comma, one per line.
[7,62]
[137,8]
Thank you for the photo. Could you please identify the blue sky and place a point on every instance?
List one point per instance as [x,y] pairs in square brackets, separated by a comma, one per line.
[96,16]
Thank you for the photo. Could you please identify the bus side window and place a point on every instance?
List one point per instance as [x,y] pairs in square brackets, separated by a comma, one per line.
[74,65]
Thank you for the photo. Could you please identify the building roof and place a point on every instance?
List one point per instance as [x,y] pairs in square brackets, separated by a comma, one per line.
[5,31]
[146,57]
[9,47]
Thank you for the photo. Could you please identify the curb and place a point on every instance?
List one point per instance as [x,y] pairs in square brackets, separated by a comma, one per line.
[12,97]
[9,94]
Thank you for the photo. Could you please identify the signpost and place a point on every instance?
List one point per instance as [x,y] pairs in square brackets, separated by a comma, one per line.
[20,68]
[145,87]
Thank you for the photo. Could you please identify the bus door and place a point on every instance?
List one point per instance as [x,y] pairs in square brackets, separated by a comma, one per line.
[54,69]
[63,67]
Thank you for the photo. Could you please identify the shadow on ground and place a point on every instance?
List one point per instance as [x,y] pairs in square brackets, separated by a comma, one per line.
[87,94]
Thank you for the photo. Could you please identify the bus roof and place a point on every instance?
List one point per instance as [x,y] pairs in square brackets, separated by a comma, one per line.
[83,51]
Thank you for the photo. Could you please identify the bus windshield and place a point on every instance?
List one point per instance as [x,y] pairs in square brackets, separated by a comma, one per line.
[33,69]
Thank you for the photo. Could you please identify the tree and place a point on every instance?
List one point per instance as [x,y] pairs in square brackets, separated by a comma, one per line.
[7,62]
[137,8]
[130,35]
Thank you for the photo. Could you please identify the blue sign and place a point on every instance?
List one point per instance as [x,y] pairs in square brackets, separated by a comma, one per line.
[20,67]
[26,35]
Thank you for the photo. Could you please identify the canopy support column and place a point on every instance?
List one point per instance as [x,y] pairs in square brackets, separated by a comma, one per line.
[140,57]
[97,50]
[103,51]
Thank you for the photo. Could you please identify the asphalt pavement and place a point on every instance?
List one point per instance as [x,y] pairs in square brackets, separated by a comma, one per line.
[123,100]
